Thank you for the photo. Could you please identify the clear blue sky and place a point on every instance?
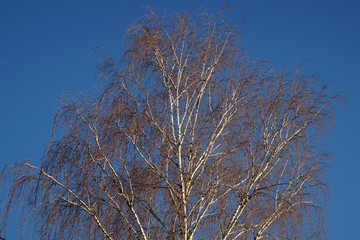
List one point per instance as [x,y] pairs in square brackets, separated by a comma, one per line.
[46,49]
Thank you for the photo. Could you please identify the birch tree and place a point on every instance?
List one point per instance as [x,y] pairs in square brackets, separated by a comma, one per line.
[187,138]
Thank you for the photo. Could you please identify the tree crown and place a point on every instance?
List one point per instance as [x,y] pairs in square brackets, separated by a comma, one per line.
[188,139]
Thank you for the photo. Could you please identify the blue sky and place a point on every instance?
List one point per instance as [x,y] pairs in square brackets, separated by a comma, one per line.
[47,48]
